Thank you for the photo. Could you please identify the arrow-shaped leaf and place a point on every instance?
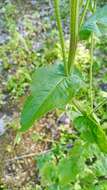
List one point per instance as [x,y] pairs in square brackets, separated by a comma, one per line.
[50,89]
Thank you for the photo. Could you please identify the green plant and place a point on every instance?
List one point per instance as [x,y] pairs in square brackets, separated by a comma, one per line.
[58,85]
[79,168]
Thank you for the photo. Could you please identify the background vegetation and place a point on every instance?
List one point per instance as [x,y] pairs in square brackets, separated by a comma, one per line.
[28,40]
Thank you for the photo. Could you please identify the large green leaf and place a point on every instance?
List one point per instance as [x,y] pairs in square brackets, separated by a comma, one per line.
[91,132]
[50,89]
[96,23]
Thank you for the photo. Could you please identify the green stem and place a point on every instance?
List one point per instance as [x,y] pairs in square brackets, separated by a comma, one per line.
[78,107]
[74,18]
[84,12]
[93,6]
[61,35]
[91,63]
[99,105]
[81,3]
[91,71]
[84,113]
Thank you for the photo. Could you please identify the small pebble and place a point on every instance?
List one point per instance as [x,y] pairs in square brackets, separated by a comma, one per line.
[69,146]
[2,127]
[103,87]
[63,119]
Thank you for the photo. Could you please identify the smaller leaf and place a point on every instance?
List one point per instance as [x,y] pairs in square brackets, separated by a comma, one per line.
[71,166]
[97,23]
[65,171]
[100,167]
[48,173]
[91,132]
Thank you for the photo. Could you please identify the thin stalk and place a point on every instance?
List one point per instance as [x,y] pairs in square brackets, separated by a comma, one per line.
[91,63]
[91,71]
[81,3]
[74,21]
[61,35]
[84,113]
[84,12]
[78,107]
[93,5]
[99,105]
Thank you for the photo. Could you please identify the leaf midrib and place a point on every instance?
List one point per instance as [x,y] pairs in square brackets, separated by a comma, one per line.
[53,89]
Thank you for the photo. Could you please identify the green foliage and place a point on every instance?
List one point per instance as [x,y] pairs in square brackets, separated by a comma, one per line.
[69,168]
[97,23]
[91,132]
[64,8]
[18,57]
[50,89]
[84,165]
[79,168]
[16,86]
